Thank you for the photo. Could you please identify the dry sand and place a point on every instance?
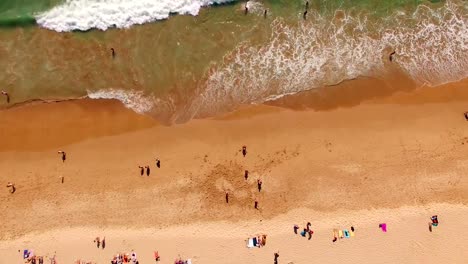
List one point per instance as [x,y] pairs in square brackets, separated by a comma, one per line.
[398,158]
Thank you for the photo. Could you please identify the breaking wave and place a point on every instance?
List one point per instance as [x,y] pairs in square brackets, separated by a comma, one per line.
[134,100]
[84,15]
[431,47]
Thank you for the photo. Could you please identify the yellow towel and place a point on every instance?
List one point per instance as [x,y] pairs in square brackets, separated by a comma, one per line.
[351,233]
[340,232]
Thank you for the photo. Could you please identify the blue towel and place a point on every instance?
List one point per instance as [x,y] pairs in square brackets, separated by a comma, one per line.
[346,233]
[303,233]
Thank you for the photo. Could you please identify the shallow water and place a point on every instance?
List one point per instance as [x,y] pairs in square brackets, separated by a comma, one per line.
[195,66]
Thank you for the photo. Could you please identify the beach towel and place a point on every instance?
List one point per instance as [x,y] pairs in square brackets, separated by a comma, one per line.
[25,254]
[335,233]
[340,233]
[351,233]
[383,227]
[255,242]
[346,233]
[250,243]
[189,261]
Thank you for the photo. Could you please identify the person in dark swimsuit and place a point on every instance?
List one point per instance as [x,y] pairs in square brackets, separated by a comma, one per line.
[147,170]
[227,197]
[259,184]
[390,57]
[64,155]
[256,204]
[158,163]
[276,257]
[244,150]
[142,170]
[246,174]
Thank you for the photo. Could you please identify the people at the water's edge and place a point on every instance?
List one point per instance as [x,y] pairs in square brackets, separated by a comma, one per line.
[158,163]
[7,96]
[64,155]
[246,8]
[246,174]
[12,187]
[276,255]
[265,13]
[142,170]
[307,5]
[296,227]
[259,184]
[147,170]
[390,57]
[227,197]
[304,15]
[244,150]
[113,53]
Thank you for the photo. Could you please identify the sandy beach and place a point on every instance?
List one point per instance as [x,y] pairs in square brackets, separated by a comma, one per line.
[397,158]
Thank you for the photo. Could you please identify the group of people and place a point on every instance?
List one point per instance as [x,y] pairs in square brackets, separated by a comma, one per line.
[100,243]
[305,231]
[148,169]
[125,258]
[30,257]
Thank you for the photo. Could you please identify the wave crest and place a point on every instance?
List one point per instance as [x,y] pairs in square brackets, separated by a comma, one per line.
[84,15]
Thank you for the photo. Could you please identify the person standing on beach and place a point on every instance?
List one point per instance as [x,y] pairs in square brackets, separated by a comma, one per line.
[12,187]
[142,170]
[390,57]
[158,163]
[246,8]
[310,232]
[296,227]
[308,226]
[227,197]
[113,53]
[64,155]
[246,174]
[276,257]
[244,150]
[98,242]
[265,13]
[7,96]
[256,204]
[147,170]
[259,185]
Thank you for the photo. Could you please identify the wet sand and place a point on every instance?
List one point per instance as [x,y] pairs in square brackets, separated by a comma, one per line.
[383,153]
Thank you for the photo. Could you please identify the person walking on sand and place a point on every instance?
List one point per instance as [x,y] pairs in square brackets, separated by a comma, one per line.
[103,243]
[296,227]
[227,197]
[64,155]
[276,257]
[244,150]
[7,96]
[12,187]
[310,232]
[308,226]
[98,242]
[246,174]
[147,170]
[158,163]
[142,170]
[256,204]
[259,185]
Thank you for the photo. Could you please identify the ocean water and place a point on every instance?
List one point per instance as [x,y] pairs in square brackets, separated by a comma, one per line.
[180,59]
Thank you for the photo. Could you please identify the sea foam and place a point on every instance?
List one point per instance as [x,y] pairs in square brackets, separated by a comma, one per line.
[135,100]
[84,15]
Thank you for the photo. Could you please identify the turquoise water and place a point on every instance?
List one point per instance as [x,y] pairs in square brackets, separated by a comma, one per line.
[192,66]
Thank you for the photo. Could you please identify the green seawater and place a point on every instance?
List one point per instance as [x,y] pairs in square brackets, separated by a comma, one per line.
[22,12]
[226,56]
